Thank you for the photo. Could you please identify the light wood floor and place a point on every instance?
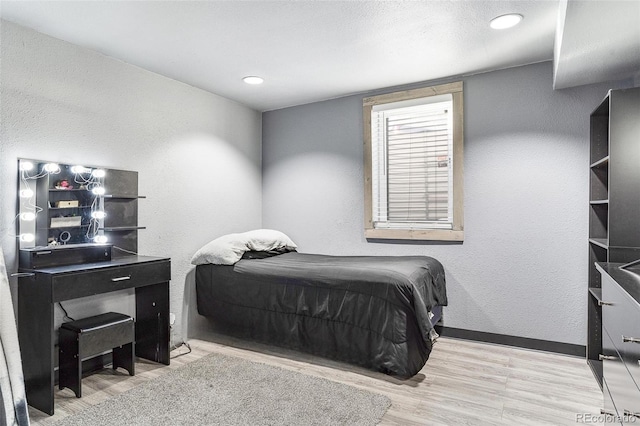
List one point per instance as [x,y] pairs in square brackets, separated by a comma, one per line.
[463,383]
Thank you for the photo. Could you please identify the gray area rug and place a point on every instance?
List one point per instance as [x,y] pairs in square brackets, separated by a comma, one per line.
[223,390]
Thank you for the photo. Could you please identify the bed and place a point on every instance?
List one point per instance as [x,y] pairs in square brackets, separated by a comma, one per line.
[373,311]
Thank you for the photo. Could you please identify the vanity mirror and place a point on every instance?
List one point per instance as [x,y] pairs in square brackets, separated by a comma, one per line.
[63,204]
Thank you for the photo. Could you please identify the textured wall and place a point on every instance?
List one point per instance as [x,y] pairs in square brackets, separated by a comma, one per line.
[198,155]
[522,267]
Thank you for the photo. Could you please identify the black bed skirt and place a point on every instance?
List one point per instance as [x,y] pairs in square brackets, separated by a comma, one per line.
[372,324]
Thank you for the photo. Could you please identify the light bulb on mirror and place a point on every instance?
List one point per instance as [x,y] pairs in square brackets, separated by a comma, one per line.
[27,238]
[51,168]
[98,173]
[98,190]
[27,216]
[100,239]
[80,170]
[26,193]
[98,214]
[26,165]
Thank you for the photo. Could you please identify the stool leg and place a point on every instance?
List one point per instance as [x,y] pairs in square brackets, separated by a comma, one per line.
[70,362]
[124,356]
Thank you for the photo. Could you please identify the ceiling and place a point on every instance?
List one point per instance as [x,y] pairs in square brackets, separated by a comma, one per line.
[309,51]
[597,41]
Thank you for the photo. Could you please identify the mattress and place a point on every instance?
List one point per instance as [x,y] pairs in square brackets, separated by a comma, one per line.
[377,312]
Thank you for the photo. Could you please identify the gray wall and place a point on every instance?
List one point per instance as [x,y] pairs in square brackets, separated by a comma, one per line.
[522,268]
[198,155]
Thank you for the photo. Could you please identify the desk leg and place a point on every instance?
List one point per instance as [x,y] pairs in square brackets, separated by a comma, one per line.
[35,331]
[152,322]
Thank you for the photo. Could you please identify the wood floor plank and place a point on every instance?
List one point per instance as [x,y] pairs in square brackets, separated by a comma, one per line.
[463,382]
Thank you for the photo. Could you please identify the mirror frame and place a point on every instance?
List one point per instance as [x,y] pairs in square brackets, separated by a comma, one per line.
[59,204]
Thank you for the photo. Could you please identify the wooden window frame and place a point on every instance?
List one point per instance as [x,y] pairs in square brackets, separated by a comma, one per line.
[457,231]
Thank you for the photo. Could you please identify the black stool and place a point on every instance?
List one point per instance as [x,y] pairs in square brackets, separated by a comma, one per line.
[91,336]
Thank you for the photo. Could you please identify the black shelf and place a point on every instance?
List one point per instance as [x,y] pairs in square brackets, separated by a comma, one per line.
[596,292]
[121,228]
[603,162]
[124,197]
[601,242]
[68,227]
[67,208]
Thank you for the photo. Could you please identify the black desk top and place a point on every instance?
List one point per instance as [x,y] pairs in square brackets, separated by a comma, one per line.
[628,279]
[118,261]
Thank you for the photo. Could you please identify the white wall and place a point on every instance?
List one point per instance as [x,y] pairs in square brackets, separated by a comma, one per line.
[198,155]
[522,268]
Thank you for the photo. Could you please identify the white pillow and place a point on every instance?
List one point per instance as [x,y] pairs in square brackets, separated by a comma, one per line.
[228,249]
[268,239]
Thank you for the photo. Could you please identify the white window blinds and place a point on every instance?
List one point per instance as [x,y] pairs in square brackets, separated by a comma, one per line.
[412,147]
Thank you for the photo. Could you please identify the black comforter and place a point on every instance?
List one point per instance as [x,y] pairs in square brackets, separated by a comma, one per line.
[371,311]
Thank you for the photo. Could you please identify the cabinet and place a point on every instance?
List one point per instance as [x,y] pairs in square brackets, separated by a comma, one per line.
[614,202]
[620,342]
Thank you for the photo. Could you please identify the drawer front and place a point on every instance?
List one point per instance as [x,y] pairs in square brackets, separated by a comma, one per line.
[624,393]
[97,281]
[621,319]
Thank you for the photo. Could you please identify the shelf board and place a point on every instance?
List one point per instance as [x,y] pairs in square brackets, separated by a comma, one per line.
[65,208]
[598,202]
[68,190]
[596,292]
[124,197]
[602,242]
[67,227]
[121,228]
[603,162]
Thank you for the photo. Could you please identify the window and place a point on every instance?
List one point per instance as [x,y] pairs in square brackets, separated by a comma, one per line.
[413,164]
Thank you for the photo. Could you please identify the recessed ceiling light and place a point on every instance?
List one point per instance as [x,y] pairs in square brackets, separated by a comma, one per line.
[505,21]
[252,79]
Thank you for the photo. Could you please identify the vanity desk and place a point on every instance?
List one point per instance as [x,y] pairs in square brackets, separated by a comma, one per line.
[40,288]
[70,218]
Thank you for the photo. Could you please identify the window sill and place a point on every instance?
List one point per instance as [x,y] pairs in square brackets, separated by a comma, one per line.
[415,234]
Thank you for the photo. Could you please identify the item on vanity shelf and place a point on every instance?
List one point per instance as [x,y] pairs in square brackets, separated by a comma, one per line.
[64,236]
[67,203]
[66,221]
[63,184]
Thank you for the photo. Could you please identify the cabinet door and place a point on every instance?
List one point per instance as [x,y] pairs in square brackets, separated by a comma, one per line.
[624,393]
[622,320]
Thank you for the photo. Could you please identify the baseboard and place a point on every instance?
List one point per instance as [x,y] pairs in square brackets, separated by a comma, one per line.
[520,342]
